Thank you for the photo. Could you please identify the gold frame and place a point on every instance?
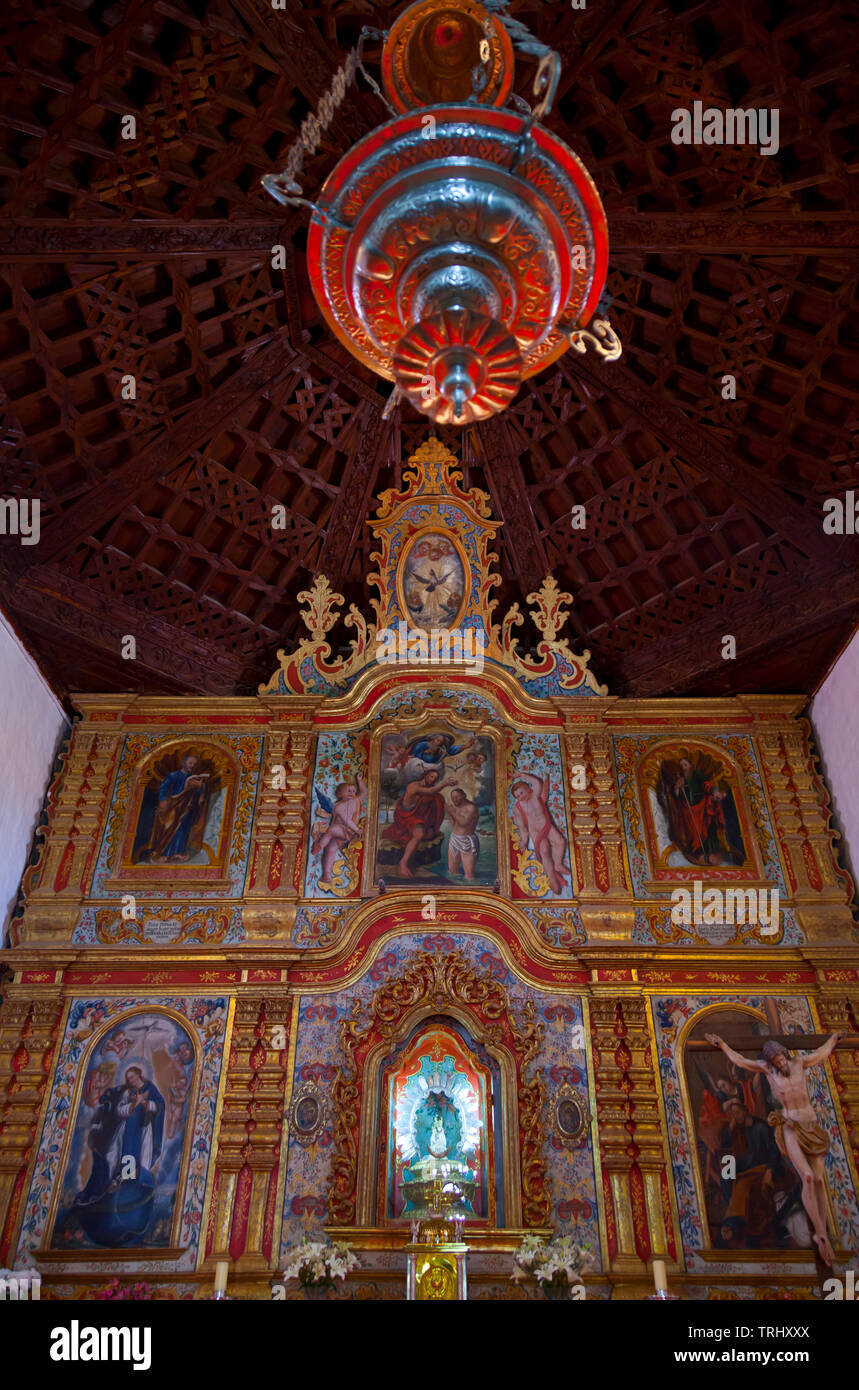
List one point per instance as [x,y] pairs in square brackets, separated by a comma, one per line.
[142,875]
[127,1252]
[711,1251]
[444,531]
[750,874]
[383,1221]
[566,1095]
[447,720]
[507,1143]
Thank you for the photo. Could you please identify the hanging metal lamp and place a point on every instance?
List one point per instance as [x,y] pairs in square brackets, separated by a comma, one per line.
[461,246]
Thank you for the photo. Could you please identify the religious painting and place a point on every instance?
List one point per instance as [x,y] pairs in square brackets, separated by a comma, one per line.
[751,1194]
[336,833]
[694,813]
[436,1098]
[308,1112]
[126,1154]
[435,820]
[181,812]
[541,865]
[433,579]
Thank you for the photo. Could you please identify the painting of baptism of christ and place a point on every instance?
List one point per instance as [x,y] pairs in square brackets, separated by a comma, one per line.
[436,821]
[694,812]
[125,1155]
[181,810]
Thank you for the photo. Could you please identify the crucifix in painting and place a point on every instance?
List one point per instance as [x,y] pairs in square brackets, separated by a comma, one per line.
[800,1137]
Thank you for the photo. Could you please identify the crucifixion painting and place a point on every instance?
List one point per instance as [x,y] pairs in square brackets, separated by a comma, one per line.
[768,1126]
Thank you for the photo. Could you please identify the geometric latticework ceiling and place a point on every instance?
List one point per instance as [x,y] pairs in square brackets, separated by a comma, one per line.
[153,257]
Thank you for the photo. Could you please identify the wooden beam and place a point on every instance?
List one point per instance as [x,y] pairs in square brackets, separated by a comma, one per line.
[787,610]
[511,503]
[691,442]
[50,602]
[727,234]
[356,489]
[159,238]
[311,63]
[43,240]
[166,452]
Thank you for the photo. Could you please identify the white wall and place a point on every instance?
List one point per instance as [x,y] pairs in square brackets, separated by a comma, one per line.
[835,716]
[32,723]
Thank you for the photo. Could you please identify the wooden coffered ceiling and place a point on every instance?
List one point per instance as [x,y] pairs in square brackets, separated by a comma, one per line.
[153,257]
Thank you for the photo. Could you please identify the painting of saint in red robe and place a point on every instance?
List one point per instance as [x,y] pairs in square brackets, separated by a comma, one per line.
[180,811]
[699,812]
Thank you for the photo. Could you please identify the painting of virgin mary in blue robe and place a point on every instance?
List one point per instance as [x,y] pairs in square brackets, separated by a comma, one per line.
[126,1150]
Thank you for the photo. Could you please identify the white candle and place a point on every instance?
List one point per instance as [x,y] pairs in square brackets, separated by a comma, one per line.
[659,1279]
[221,1276]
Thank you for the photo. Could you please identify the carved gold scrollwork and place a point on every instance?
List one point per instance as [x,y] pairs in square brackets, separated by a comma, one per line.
[549,617]
[441,980]
[319,618]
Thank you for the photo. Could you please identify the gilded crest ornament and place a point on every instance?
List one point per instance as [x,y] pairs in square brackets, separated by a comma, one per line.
[434,576]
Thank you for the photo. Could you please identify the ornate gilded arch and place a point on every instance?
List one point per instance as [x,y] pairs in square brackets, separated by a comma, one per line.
[445,985]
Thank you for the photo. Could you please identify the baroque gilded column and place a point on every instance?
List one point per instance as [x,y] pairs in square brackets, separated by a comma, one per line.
[77,819]
[277,847]
[301,743]
[636,1195]
[263,913]
[605,898]
[611,874]
[28,1037]
[800,806]
[249,1144]
[583,808]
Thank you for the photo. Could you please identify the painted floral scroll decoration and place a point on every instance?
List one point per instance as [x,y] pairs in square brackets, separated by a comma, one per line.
[549,617]
[310,664]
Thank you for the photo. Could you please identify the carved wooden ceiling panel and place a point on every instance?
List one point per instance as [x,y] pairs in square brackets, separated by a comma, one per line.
[152,258]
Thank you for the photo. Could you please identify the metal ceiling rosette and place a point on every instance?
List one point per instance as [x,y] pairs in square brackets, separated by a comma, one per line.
[461,246]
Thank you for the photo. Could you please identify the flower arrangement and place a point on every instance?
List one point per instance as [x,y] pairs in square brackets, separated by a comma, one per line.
[555,1264]
[318,1263]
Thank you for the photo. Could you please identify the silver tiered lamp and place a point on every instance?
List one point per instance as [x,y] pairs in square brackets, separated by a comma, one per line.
[461,246]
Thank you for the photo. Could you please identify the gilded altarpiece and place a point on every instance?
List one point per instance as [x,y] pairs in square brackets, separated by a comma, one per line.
[417,899]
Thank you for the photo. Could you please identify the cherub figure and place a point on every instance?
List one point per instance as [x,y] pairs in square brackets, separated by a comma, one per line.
[536,826]
[118,1042]
[331,840]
